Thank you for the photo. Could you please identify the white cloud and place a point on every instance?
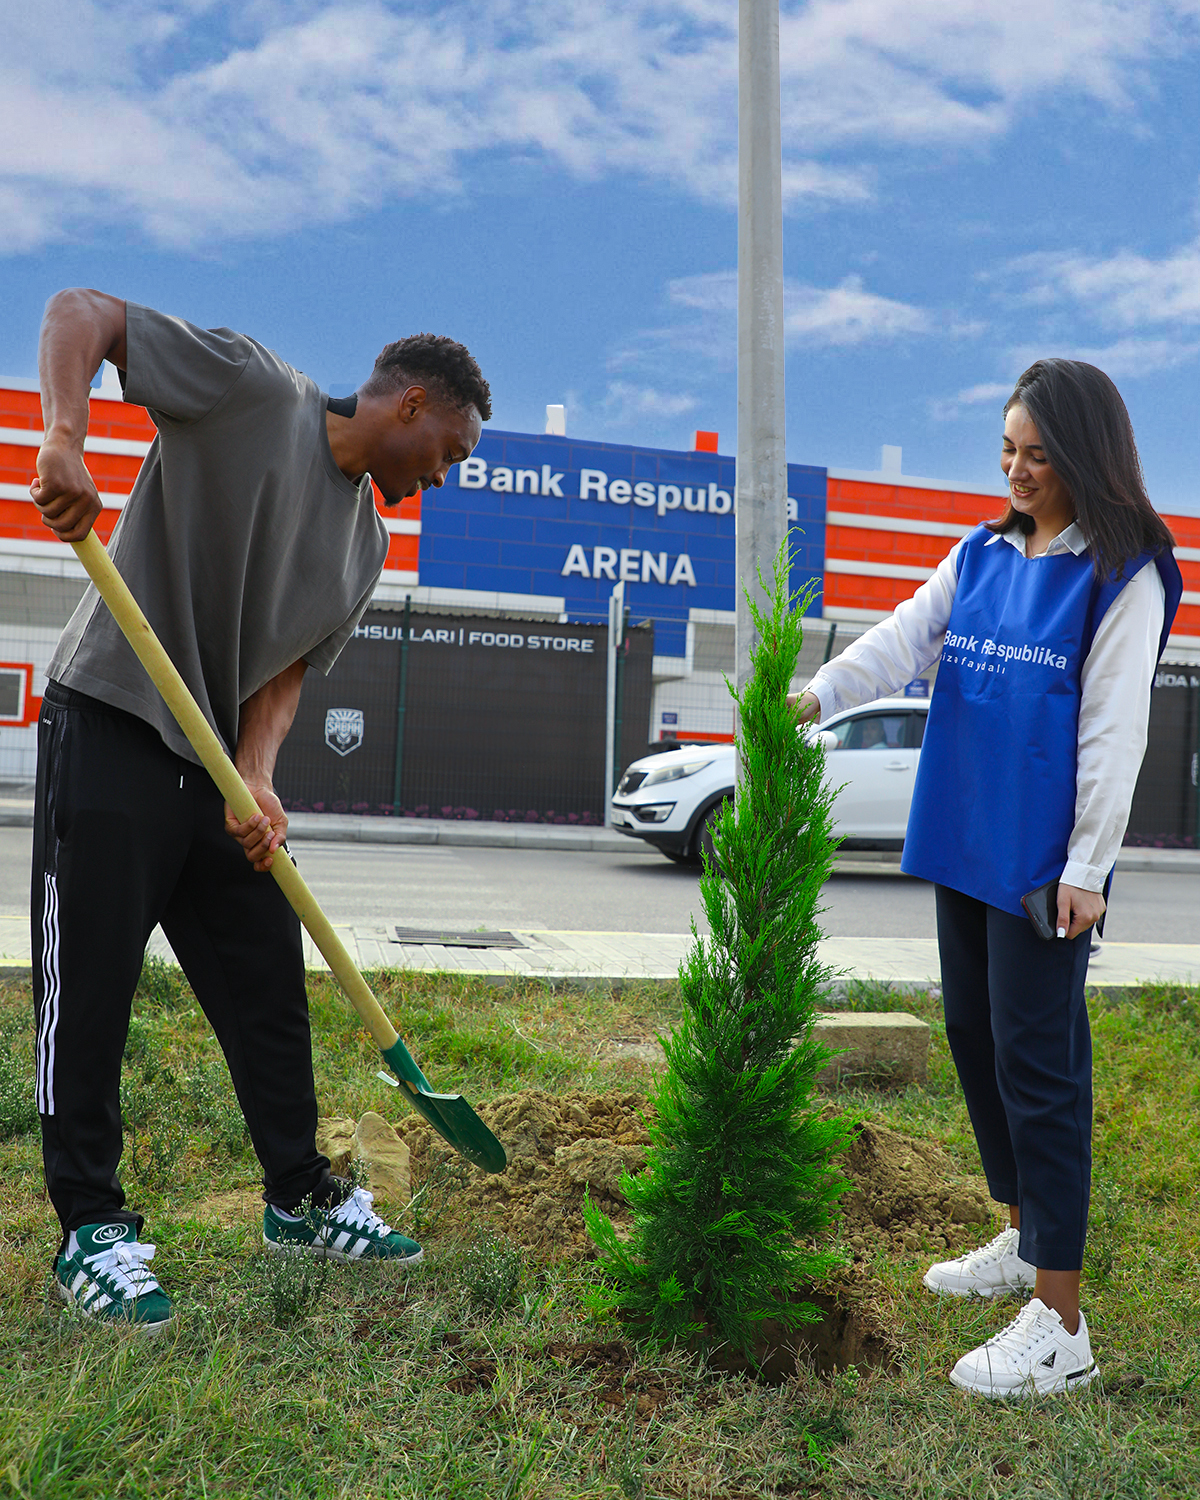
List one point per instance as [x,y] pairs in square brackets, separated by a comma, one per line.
[1125,290]
[813,316]
[199,119]
[623,403]
[1127,358]
[628,410]
[974,395]
[848,314]
[920,71]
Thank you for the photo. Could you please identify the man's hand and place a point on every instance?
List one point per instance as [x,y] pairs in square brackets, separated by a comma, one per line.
[264,833]
[1077,910]
[266,716]
[808,706]
[64,492]
[80,328]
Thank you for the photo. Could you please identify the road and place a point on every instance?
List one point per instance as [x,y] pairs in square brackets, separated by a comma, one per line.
[553,890]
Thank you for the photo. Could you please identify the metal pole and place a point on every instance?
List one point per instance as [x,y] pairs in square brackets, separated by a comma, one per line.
[616,617]
[1193,759]
[619,698]
[401,704]
[761,451]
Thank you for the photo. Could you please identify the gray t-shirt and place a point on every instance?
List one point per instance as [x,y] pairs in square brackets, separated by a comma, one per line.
[242,541]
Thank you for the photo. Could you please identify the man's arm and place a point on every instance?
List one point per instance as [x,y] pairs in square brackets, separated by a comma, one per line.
[79,330]
[266,717]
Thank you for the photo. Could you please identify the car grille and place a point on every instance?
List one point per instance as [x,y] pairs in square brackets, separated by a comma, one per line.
[631,781]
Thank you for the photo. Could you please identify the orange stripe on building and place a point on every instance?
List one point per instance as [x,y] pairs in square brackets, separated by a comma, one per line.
[902,503]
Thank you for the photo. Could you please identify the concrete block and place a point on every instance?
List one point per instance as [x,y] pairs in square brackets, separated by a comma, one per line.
[883,1048]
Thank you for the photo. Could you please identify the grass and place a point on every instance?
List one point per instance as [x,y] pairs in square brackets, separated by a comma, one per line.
[483,1375]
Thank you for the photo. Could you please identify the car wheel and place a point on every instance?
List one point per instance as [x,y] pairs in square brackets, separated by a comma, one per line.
[704,843]
[679,856]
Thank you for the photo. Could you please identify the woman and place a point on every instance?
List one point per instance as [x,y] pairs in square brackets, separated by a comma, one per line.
[1049,624]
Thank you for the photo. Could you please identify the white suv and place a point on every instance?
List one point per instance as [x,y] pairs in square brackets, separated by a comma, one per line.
[671,798]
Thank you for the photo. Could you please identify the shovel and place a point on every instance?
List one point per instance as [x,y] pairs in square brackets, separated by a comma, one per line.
[449,1114]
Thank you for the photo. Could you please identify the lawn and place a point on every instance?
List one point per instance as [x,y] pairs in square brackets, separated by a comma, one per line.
[483,1373]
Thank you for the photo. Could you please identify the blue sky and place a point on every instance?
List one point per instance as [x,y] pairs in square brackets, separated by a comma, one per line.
[967,187]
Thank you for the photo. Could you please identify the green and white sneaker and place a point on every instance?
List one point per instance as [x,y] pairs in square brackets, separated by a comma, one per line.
[106,1273]
[351,1231]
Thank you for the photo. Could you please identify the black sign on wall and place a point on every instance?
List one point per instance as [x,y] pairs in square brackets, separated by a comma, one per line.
[499,719]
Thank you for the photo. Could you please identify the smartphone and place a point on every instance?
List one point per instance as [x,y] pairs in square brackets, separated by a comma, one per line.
[1041,907]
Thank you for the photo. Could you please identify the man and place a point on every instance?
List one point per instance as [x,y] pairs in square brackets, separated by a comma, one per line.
[252,542]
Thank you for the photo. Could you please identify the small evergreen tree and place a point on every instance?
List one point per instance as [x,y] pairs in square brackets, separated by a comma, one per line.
[740,1172]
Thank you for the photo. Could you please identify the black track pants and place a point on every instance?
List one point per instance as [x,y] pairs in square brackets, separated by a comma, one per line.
[1017,1024]
[127,834]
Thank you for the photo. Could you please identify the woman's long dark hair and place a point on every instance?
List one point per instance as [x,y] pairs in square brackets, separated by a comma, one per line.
[1087,438]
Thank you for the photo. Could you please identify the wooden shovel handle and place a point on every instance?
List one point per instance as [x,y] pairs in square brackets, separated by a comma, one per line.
[128,615]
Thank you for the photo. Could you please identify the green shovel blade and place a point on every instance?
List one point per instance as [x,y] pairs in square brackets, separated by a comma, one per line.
[449,1114]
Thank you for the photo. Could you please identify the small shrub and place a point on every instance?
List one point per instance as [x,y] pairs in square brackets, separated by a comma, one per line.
[161,985]
[492,1271]
[18,1111]
[216,1108]
[139,1046]
[154,1113]
[426,1208]
[740,1174]
[291,1286]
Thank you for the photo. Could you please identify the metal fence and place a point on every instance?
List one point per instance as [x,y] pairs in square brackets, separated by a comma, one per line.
[455,716]
[1166,808]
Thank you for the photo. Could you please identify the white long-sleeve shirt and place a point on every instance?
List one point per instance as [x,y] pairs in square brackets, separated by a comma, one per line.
[1114,706]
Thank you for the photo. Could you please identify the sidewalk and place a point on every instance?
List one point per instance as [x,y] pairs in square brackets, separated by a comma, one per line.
[616,958]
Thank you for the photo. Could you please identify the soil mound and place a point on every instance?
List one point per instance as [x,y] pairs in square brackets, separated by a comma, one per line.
[906,1194]
[559,1146]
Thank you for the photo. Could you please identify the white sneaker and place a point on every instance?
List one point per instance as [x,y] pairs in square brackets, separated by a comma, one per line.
[994,1270]
[1034,1355]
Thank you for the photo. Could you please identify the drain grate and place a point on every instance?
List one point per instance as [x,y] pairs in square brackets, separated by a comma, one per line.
[438,938]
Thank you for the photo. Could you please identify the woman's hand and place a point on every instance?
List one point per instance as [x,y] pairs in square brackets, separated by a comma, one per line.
[1077,910]
[809,706]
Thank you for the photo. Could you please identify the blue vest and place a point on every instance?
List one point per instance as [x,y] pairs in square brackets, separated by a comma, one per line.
[994,802]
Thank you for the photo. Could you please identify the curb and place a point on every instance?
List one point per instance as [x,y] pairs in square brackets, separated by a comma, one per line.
[332,828]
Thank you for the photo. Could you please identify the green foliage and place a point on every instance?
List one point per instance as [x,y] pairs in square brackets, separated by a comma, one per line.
[215,1107]
[357,1397]
[161,985]
[18,1112]
[739,1176]
[492,1271]
[291,1286]
[162,1105]
[153,1112]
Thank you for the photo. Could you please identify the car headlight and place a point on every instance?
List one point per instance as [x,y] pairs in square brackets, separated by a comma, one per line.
[673,773]
[653,812]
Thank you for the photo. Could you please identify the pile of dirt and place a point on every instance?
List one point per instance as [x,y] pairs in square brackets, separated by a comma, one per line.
[909,1195]
[906,1194]
[559,1146]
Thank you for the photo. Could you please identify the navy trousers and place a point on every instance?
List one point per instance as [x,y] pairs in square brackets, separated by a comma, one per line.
[128,834]
[1017,1026]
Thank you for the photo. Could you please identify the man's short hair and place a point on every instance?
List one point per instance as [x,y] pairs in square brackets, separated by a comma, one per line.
[445,368]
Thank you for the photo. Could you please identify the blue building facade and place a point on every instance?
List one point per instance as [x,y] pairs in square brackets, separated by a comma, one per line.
[553,516]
